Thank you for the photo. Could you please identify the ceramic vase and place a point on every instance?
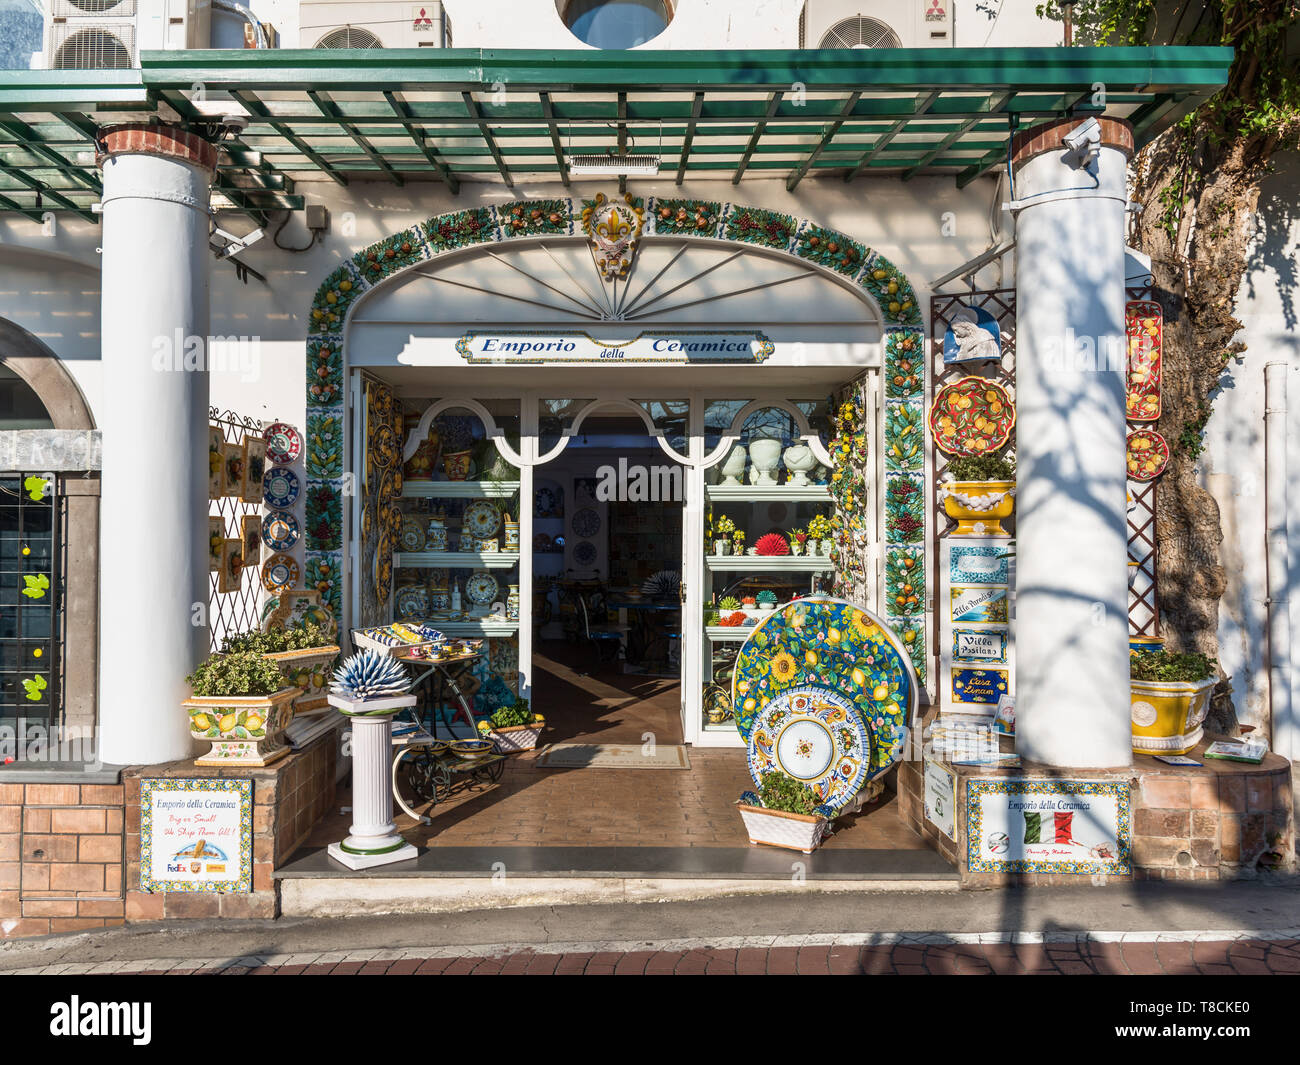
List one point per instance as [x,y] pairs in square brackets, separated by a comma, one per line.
[796,549]
[982,508]
[722,547]
[457,465]
[244,730]
[734,466]
[512,602]
[765,455]
[512,536]
[799,459]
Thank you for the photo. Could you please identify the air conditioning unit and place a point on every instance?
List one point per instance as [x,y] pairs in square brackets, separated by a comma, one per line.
[354,24]
[876,24]
[110,34]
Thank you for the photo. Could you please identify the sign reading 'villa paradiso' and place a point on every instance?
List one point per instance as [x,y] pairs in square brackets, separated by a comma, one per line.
[576,347]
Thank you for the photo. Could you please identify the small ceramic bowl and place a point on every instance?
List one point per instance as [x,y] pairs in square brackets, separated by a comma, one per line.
[471,749]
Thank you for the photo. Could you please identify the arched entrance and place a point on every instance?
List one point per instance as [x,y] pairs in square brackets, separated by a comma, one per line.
[721,311]
[49,535]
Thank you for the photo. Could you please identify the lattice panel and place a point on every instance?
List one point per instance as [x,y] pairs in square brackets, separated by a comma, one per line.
[239,610]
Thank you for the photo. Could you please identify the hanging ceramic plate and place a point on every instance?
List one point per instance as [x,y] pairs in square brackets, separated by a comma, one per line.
[481,520]
[541,542]
[412,538]
[279,572]
[816,735]
[383,566]
[586,522]
[280,488]
[1148,455]
[283,443]
[481,588]
[280,530]
[584,553]
[832,644]
[544,503]
[971,416]
[383,445]
[411,601]
[1144,328]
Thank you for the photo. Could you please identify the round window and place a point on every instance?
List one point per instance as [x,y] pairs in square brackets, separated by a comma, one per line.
[616,23]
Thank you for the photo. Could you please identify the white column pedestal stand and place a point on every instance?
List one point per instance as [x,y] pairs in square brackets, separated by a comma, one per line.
[374,839]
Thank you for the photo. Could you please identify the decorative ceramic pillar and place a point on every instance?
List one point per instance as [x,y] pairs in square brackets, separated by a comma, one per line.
[1072,669]
[154,419]
[373,839]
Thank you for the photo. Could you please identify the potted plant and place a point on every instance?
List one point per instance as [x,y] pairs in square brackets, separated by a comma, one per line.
[306,656]
[766,599]
[725,531]
[784,813]
[515,727]
[819,534]
[978,491]
[798,541]
[241,703]
[738,541]
[1170,696]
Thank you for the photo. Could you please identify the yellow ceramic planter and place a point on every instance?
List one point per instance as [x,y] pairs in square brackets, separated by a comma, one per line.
[1167,714]
[968,517]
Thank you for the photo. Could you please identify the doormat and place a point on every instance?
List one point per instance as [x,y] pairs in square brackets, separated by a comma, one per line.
[612,756]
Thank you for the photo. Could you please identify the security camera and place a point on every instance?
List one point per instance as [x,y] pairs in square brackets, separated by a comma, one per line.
[224,245]
[234,123]
[1084,142]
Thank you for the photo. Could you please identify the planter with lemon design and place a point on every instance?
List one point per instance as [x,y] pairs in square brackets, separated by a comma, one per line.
[308,668]
[978,507]
[245,730]
[1169,697]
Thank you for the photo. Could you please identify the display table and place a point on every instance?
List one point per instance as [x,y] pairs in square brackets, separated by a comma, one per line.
[645,621]
[434,772]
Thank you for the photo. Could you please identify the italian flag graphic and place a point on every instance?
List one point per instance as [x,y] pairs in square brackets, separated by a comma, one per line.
[1048,828]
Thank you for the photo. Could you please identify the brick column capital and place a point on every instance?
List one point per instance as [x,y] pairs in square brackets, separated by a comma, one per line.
[1047,136]
[139,138]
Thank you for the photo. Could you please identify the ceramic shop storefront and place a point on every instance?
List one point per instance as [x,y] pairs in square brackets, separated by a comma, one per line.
[717,354]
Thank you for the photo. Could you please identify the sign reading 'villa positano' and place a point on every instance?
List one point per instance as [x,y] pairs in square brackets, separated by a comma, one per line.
[676,346]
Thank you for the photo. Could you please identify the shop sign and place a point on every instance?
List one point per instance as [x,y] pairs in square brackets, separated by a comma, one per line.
[940,798]
[979,604]
[196,835]
[1048,826]
[978,564]
[672,346]
[978,685]
[979,645]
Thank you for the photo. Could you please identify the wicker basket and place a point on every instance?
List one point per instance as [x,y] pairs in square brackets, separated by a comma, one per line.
[796,832]
[517,737]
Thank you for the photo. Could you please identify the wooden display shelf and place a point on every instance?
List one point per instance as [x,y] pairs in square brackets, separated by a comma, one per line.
[458,489]
[761,493]
[456,559]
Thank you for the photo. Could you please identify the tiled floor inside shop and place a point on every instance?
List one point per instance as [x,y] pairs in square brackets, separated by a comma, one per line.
[532,806]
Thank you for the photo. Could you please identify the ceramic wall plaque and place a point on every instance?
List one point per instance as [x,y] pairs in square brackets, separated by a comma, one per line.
[941,797]
[1048,826]
[1147,454]
[232,565]
[196,835]
[1144,330]
[254,469]
[216,461]
[250,530]
[971,416]
[980,603]
[216,541]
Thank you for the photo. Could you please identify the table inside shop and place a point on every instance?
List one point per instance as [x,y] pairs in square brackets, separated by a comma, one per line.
[650,627]
[434,772]
[446,670]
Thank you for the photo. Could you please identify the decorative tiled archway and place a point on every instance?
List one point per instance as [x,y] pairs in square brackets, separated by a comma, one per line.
[902,500]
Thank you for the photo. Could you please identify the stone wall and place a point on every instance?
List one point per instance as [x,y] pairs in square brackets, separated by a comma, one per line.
[61,857]
[1220,821]
[288,798]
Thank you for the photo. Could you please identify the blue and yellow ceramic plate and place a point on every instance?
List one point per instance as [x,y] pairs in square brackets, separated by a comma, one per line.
[280,530]
[280,488]
[816,735]
[832,644]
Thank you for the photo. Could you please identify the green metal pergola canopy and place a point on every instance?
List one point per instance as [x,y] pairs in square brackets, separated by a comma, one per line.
[403,115]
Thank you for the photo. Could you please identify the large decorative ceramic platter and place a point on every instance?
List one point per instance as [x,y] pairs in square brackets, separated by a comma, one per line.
[412,535]
[971,416]
[1144,328]
[586,523]
[481,519]
[542,542]
[829,643]
[584,553]
[481,588]
[280,488]
[411,601]
[280,530]
[283,443]
[544,503]
[1148,455]
[279,572]
[816,735]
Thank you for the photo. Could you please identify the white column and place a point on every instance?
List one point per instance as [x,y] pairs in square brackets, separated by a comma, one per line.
[153,573]
[1072,667]
[373,840]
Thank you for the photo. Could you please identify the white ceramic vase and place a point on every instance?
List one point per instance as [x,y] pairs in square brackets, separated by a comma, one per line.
[765,455]
[799,459]
[734,466]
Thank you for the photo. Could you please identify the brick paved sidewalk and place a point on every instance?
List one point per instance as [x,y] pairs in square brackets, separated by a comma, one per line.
[1185,953]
